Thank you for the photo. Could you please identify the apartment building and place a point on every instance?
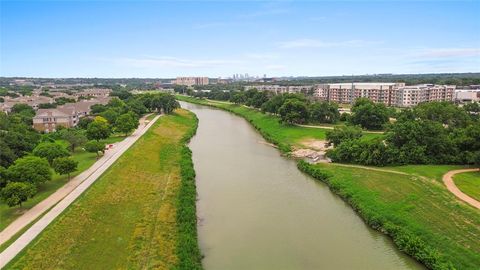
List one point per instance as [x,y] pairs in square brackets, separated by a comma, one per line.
[467,95]
[408,96]
[68,115]
[348,92]
[189,81]
[95,92]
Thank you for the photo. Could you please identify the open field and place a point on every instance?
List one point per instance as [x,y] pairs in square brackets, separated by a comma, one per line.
[129,217]
[413,206]
[469,183]
[420,207]
[285,137]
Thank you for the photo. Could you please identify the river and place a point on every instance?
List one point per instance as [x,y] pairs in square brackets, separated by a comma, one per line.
[258,211]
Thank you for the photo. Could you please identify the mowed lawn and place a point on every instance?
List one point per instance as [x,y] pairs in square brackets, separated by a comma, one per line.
[418,202]
[127,219]
[469,183]
[286,136]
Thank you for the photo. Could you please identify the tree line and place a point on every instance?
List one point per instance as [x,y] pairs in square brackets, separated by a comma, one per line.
[28,157]
[430,133]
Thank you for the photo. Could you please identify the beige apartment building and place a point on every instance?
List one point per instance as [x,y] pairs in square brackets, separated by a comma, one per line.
[408,96]
[189,81]
[279,89]
[348,92]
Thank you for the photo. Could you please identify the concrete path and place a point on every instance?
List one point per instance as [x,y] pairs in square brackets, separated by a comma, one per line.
[66,195]
[448,181]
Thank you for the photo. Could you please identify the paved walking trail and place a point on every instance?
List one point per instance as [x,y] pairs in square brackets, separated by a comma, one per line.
[63,197]
[448,180]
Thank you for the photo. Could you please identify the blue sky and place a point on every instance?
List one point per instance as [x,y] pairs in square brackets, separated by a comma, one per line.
[219,38]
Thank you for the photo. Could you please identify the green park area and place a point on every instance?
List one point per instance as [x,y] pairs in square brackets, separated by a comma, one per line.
[139,215]
[469,183]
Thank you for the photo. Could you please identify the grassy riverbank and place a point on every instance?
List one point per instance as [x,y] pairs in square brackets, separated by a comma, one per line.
[469,183]
[285,137]
[139,214]
[408,203]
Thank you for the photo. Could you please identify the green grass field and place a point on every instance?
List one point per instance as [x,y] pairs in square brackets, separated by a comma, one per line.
[469,183]
[418,203]
[285,136]
[127,219]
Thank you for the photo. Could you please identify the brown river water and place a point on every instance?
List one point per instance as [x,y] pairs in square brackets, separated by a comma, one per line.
[256,210]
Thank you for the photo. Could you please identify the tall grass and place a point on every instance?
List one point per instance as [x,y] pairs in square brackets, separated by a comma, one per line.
[188,251]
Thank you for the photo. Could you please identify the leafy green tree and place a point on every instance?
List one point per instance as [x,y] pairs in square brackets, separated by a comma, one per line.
[126,123]
[97,108]
[50,151]
[238,98]
[15,193]
[136,106]
[84,121]
[294,112]
[98,129]
[342,134]
[258,99]
[169,103]
[95,147]
[75,137]
[444,112]
[64,165]
[111,115]
[7,156]
[324,112]
[30,169]
[23,108]
[3,177]
[273,104]
[368,114]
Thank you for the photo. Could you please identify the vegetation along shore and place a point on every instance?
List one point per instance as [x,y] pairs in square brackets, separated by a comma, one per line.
[409,203]
[139,214]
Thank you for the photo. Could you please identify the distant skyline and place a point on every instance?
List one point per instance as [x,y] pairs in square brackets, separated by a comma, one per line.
[160,39]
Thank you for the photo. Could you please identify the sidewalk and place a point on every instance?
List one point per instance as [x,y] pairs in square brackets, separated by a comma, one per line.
[64,197]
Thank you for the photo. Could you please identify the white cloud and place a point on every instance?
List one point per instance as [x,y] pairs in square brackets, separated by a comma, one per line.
[314,43]
[168,62]
[450,52]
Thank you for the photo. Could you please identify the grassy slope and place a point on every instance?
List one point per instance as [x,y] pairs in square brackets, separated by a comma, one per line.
[469,183]
[127,219]
[270,127]
[418,203]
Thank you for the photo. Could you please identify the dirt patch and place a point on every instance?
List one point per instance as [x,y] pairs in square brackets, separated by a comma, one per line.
[312,149]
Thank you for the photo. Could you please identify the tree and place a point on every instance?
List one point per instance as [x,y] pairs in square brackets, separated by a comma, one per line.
[23,108]
[98,129]
[74,137]
[64,165]
[258,99]
[83,122]
[111,115]
[238,98]
[293,112]
[443,112]
[30,169]
[136,106]
[50,151]
[95,147]
[324,112]
[3,177]
[169,103]
[368,114]
[14,193]
[342,134]
[126,123]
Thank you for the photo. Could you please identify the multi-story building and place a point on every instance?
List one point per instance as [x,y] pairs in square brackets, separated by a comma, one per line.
[408,96]
[348,92]
[189,81]
[68,115]
[467,95]
[97,92]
